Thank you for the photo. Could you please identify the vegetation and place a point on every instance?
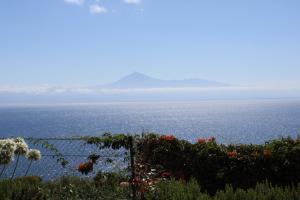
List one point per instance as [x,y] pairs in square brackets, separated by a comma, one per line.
[215,165]
[74,188]
[177,190]
[164,167]
[9,148]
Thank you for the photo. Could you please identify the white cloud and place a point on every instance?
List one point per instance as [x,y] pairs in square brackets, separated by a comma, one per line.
[44,90]
[132,1]
[97,9]
[74,2]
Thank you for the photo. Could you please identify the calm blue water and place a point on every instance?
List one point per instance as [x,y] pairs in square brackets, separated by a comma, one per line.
[229,121]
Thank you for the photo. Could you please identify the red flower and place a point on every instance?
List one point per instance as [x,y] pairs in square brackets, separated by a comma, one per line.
[232,154]
[81,166]
[201,140]
[267,153]
[167,137]
[85,168]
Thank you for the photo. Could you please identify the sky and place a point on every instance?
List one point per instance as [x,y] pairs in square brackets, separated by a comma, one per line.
[92,42]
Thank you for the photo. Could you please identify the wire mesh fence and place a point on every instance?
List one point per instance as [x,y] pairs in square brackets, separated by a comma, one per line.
[61,157]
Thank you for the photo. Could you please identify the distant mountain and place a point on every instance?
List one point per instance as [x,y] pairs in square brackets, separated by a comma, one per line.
[139,80]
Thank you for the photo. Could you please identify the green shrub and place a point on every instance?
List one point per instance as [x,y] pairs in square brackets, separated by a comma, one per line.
[72,188]
[176,190]
[27,188]
[215,165]
[109,178]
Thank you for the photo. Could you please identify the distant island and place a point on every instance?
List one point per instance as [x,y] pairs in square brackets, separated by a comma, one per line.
[139,80]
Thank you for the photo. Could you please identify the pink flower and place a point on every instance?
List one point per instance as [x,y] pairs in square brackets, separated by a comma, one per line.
[201,140]
[211,139]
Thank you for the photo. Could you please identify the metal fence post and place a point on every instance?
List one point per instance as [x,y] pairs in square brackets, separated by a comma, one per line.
[132,167]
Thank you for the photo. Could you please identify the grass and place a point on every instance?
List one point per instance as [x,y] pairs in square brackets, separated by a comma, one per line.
[177,190]
[74,188]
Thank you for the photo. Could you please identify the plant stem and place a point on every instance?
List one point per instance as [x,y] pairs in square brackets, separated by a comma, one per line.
[15,167]
[4,166]
[28,168]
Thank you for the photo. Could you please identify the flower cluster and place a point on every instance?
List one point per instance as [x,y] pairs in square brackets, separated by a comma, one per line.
[232,154]
[205,140]
[85,168]
[34,155]
[88,166]
[21,146]
[16,146]
[168,137]
[7,149]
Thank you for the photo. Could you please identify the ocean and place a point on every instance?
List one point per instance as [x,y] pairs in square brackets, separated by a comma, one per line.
[236,121]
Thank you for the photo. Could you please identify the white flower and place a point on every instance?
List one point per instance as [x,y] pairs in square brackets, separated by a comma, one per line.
[7,149]
[8,144]
[34,154]
[19,140]
[21,146]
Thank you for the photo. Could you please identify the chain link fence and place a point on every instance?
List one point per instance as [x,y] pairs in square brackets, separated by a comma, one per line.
[61,157]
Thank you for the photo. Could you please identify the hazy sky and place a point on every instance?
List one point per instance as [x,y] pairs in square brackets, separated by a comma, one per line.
[77,42]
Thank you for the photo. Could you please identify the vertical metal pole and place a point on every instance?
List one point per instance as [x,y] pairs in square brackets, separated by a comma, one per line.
[132,167]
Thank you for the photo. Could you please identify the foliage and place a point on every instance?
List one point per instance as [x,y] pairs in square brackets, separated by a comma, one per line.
[26,188]
[106,186]
[107,140]
[156,161]
[177,190]
[72,188]
[214,165]
[17,146]
[110,178]
[7,150]
[57,154]
[75,188]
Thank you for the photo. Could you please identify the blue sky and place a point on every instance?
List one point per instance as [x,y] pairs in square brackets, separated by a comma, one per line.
[77,42]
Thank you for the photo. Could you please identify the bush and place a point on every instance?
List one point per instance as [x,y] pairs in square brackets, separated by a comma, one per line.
[214,165]
[109,179]
[176,190]
[26,188]
[73,188]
